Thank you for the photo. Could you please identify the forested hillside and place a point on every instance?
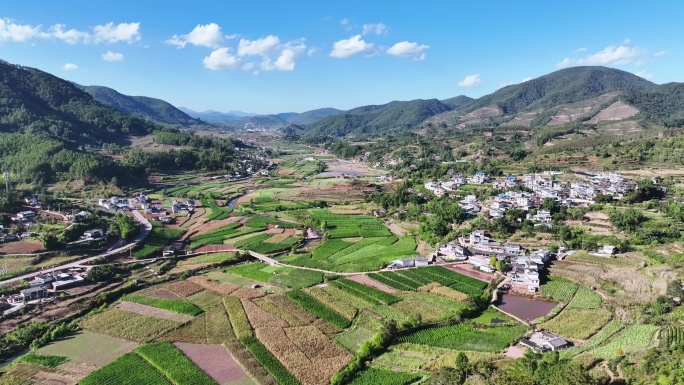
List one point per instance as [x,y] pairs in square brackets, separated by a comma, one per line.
[33,101]
[156,110]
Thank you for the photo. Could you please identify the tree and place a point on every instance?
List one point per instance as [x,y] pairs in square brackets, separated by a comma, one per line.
[101,273]
[492,261]
[51,242]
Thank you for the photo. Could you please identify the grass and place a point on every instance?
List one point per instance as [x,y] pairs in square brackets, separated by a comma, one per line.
[205,299]
[42,360]
[286,276]
[217,212]
[429,306]
[78,348]
[487,316]
[175,305]
[209,258]
[578,323]
[158,238]
[128,369]
[170,361]
[363,329]
[466,337]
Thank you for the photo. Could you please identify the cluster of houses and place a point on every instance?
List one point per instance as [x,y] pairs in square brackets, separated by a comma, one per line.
[44,286]
[440,188]
[124,204]
[183,208]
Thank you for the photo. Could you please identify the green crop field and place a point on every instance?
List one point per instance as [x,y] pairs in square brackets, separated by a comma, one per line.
[378,376]
[431,307]
[466,337]
[368,293]
[672,335]
[346,226]
[175,305]
[217,237]
[269,362]
[259,244]
[635,338]
[128,369]
[78,348]
[596,340]
[217,212]
[209,258]
[129,325]
[238,318]
[585,298]
[286,276]
[578,323]
[412,279]
[559,289]
[170,361]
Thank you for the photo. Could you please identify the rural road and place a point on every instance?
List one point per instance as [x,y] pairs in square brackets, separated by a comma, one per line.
[147,227]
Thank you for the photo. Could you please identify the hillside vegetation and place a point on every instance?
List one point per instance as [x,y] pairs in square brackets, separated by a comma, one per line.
[143,107]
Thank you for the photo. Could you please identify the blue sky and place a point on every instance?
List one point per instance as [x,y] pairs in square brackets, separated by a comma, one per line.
[280,56]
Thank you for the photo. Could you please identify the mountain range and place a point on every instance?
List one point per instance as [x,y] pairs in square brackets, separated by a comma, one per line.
[239,119]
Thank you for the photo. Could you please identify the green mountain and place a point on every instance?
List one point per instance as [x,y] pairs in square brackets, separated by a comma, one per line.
[33,101]
[376,119]
[458,101]
[564,86]
[156,110]
[663,104]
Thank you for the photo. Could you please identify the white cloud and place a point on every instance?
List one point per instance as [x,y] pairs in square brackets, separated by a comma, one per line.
[470,81]
[611,55]
[110,33]
[644,74]
[378,29]
[257,47]
[408,49]
[221,59]
[112,56]
[107,33]
[348,47]
[69,67]
[527,79]
[208,35]
[579,50]
[660,53]
[344,21]
[286,59]
[248,66]
[627,41]
[311,51]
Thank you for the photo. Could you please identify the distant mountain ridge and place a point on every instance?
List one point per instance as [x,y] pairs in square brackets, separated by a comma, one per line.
[144,107]
[255,121]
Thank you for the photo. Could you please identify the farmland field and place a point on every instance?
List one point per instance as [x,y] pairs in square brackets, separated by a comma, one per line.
[672,335]
[128,369]
[178,306]
[128,325]
[412,279]
[466,337]
[377,376]
[577,323]
[596,340]
[431,307]
[413,357]
[317,308]
[635,338]
[215,361]
[286,276]
[77,348]
[159,238]
[559,289]
[270,363]
[585,298]
[259,243]
[170,361]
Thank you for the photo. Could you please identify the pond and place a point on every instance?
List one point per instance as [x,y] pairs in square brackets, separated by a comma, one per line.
[525,308]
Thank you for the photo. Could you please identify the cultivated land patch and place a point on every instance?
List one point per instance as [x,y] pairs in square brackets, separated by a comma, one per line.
[363,279]
[183,288]
[215,361]
[153,311]
[80,347]
[129,325]
[162,293]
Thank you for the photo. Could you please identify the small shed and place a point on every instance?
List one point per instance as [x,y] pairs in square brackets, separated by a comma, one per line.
[404,262]
[421,262]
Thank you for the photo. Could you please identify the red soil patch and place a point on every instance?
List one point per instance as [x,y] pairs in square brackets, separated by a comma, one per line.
[223,288]
[291,232]
[467,270]
[207,248]
[21,247]
[161,293]
[214,360]
[183,288]
[273,230]
[363,279]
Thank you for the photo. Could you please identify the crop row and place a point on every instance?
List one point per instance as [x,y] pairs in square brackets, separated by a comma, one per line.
[238,318]
[672,335]
[379,376]
[317,308]
[330,247]
[585,298]
[259,222]
[387,279]
[217,212]
[175,305]
[366,292]
[596,340]
[559,289]
[173,364]
[635,338]
[466,337]
[127,369]
[455,277]
[269,362]
[257,244]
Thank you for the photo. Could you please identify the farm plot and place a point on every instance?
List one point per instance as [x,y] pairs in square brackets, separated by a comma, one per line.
[178,306]
[128,369]
[79,348]
[585,298]
[217,212]
[170,361]
[306,352]
[422,357]
[559,289]
[317,308]
[578,323]
[205,299]
[210,258]
[466,337]
[672,336]
[412,279]
[129,325]
[260,271]
[430,307]
[364,328]
[183,288]
[158,238]
[635,338]
[265,243]
[365,255]
[596,340]
[218,237]
[345,226]
[238,318]
[366,292]
[153,311]
[378,376]
[268,361]
[286,310]
[215,361]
